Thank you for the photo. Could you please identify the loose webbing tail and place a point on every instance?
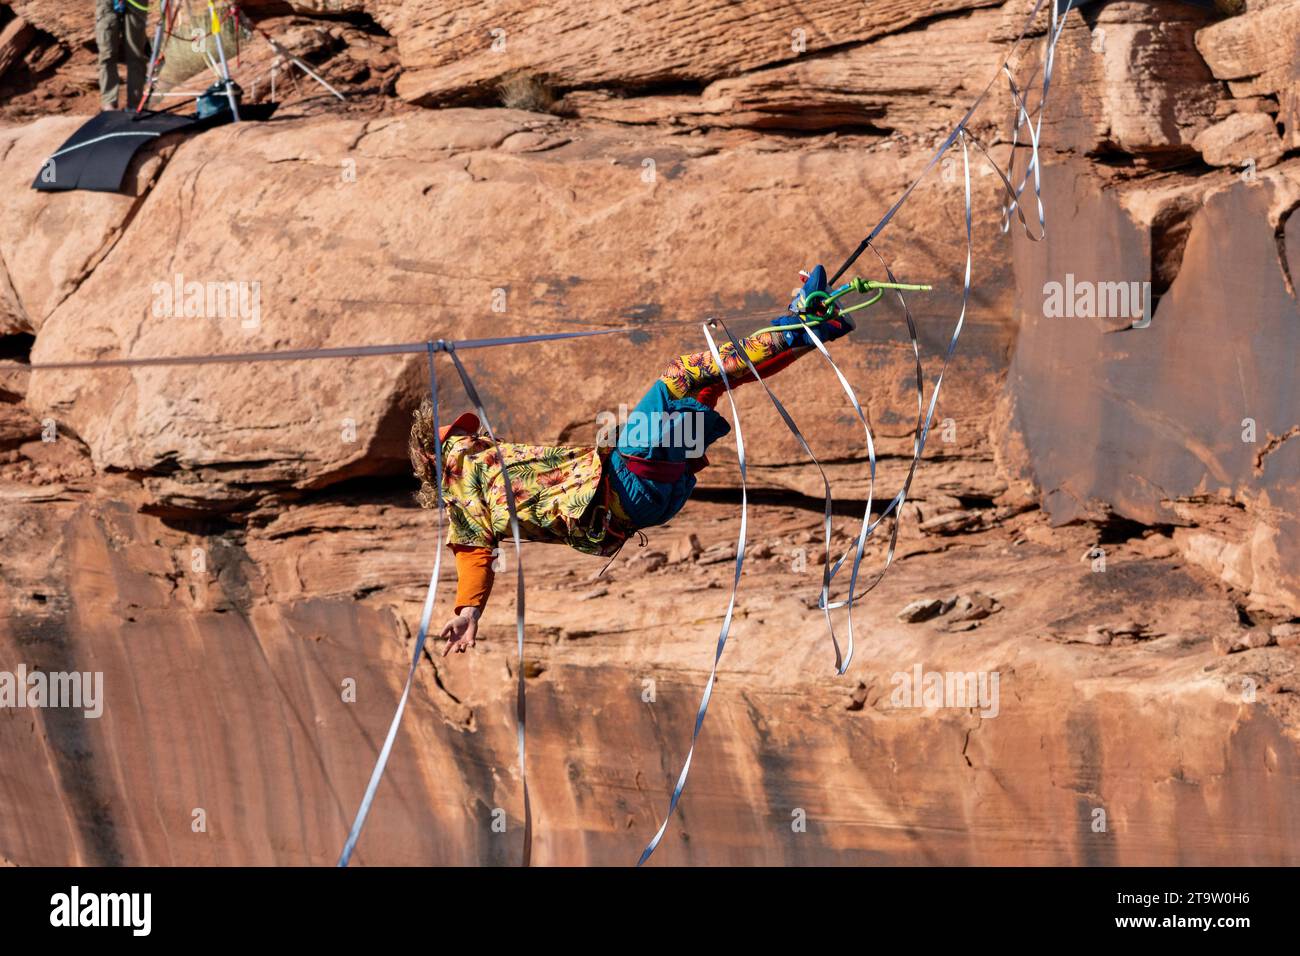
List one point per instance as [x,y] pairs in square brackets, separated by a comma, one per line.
[726,620]
[1059,15]
[828,575]
[959,132]
[826,485]
[925,417]
[382,762]
[520,701]
[950,138]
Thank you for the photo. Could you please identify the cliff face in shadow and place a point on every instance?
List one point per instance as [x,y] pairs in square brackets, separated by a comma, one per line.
[1104,522]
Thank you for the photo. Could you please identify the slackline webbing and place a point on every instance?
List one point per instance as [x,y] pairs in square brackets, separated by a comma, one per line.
[731,606]
[520,703]
[298,355]
[426,616]
[520,711]
[1053,35]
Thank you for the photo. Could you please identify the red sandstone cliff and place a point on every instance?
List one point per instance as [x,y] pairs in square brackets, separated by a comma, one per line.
[231,546]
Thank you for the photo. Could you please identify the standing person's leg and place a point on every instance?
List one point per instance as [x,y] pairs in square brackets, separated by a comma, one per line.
[108,37]
[136,50]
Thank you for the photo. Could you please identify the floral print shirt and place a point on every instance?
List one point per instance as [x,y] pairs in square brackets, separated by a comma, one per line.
[559,495]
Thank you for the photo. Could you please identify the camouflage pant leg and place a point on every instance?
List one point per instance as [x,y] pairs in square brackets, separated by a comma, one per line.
[121,36]
[108,37]
[136,53]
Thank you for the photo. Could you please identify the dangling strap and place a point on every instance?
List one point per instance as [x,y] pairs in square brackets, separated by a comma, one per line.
[726,620]
[1035,127]
[377,774]
[865,532]
[924,416]
[826,485]
[951,138]
[520,702]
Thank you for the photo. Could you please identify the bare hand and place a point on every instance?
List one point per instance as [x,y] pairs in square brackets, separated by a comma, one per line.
[461,631]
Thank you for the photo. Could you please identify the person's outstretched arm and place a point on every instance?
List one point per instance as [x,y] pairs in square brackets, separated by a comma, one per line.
[474,577]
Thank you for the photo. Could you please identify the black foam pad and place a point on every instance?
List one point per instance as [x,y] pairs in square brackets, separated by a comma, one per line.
[97,155]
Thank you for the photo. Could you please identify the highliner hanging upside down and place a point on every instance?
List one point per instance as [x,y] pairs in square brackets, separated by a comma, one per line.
[591,498]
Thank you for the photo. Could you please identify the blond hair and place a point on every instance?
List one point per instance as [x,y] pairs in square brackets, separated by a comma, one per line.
[424,442]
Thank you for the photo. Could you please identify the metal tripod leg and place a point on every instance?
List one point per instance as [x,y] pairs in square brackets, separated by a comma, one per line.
[239,14]
[302,66]
[225,67]
[152,77]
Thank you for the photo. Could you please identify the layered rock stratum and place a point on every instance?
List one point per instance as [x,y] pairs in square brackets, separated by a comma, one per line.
[1105,517]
